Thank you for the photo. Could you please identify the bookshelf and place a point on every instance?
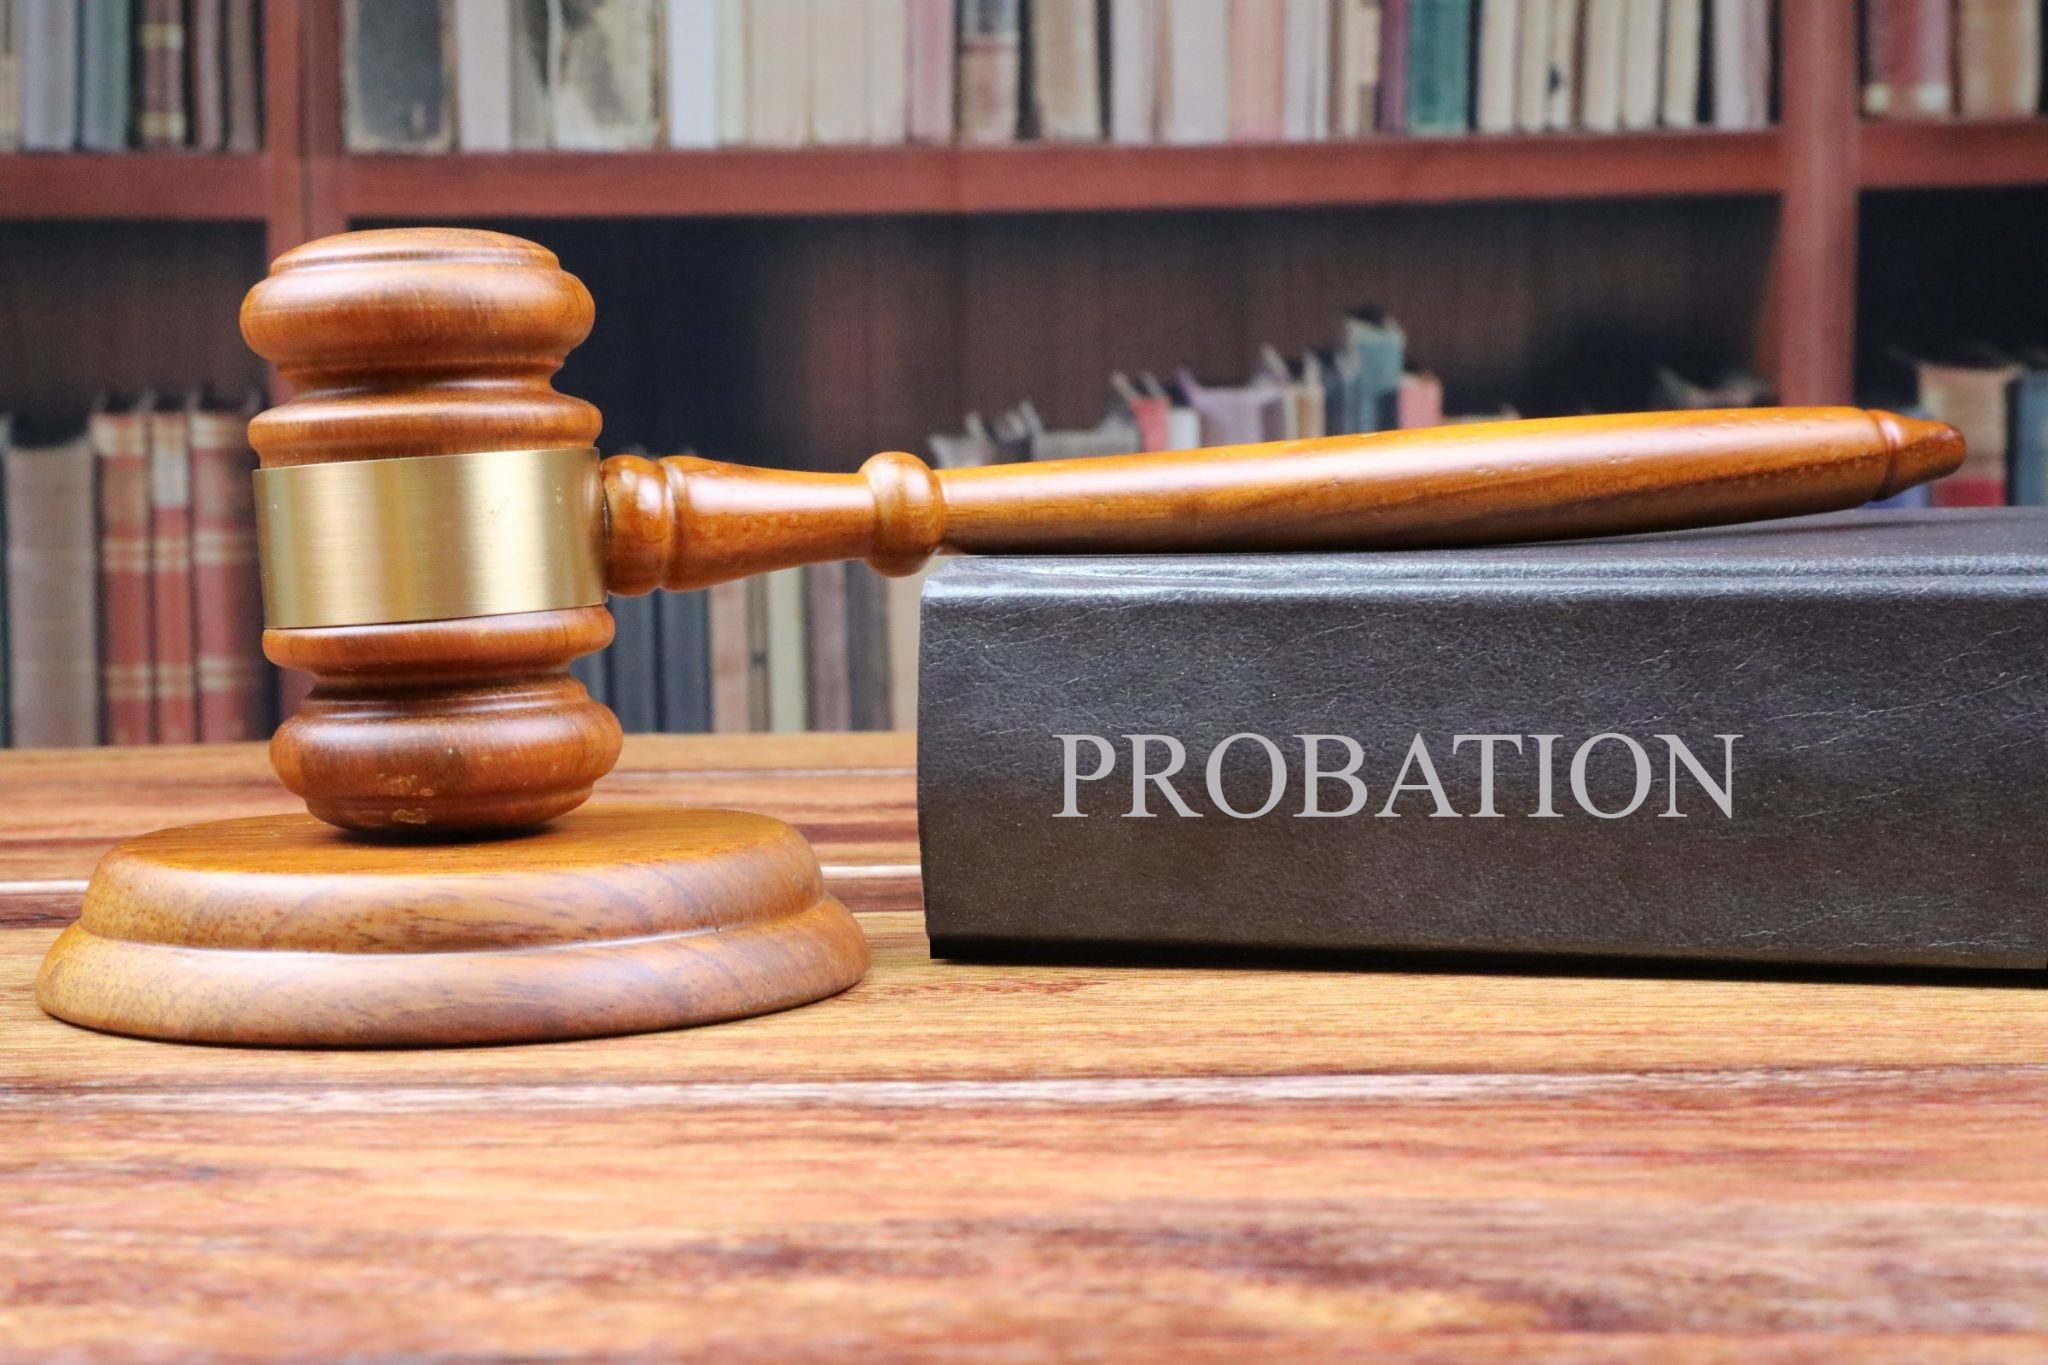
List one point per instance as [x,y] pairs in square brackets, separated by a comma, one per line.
[804,306]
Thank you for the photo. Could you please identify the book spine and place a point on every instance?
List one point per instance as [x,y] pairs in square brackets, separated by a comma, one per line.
[888,60]
[1742,63]
[635,693]
[1600,67]
[10,120]
[1567,20]
[683,668]
[483,75]
[1066,76]
[930,60]
[826,653]
[838,36]
[779,78]
[105,34]
[1908,57]
[161,117]
[1355,68]
[867,647]
[789,688]
[2029,428]
[227,598]
[127,675]
[529,75]
[170,567]
[1257,64]
[1500,44]
[397,75]
[52,596]
[728,616]
[604,75]
[1395,38]
[1133,74]
[1680,103]
[244,59]
[990,54]
[1642,56]
[206,89]
[49,75]
[1998,58]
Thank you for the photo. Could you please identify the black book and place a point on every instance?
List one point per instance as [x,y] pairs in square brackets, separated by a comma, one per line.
[684,667]
[1819,740]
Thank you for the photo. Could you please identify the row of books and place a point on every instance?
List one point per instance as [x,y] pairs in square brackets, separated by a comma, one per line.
[130,603]
[117,75]
[825,647]
[596,75]
[1938,59]
[1999,401]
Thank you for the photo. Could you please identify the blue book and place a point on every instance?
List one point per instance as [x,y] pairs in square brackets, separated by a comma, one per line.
[1439,66]
[636,699]
[2029,436]
[683,666]
[1378,350]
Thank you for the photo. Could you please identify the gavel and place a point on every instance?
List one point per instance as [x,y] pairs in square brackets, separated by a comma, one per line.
[439,535]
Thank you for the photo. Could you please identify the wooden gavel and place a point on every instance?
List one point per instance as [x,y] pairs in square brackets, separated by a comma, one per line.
[439,535]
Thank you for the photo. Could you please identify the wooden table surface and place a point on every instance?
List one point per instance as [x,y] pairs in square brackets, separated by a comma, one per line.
[1017,1162]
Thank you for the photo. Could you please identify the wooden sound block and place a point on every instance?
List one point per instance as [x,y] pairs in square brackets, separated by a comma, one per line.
[285,931]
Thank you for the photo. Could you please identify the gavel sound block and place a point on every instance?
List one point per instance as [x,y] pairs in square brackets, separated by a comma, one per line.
[438,539]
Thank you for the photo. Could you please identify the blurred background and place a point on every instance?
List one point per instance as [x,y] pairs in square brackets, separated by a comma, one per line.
[979,230]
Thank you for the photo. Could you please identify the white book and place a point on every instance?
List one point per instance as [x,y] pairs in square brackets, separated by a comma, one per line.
[528,56]
[1642,61]
[1305,101]
[789,680]
[1183,428]
[1681,98]
[732,72]
[778,72]
[1197,100]
[1066,74]
[604,75]
[1500,56]
[1566,18]
[692,41]
[1133,66]
[49,75]
[1600,67]
[839,72]
[1742,42]
[888,72]
[1355,68]
[483,75]
[1532,67]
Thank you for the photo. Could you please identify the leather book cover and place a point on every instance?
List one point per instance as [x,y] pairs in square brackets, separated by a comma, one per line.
[161,115]
[205,79]
[227,600]
[52,595]
[1908,52]
[173,641]
[1808,741]
[120,443]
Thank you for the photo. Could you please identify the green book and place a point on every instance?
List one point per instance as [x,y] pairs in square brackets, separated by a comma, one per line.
[1439,67]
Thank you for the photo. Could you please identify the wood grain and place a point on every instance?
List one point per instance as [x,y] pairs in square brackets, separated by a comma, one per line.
[1026,1163]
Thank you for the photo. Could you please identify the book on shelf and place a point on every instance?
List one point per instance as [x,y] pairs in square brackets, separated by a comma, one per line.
[161,120]
[1355,68]
[10,94]
[49,75]
[483,75]
[828,661]
[231,681]
[528,56]
[1741,63]
[1395,34]
[690,84]
[105,34]
[396,76]
[2027,431]
[1600,66]
[242,64]
[633,672]
[205,78]
[1306,87]
[1679,99]
[684,668]
[1973,396]
[120,440]
[839,74]
[1256,57]
[886,44]
[604,74]
[52,593]
[1194,77]
[174,641]
[1567,23]
[1499,59]
[1066,83]
[989,73]
[1642,62]
[928,70]
[1998,58]
[779,74]
[727,621]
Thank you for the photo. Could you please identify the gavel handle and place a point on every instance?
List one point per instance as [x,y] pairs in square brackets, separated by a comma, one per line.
[686,522]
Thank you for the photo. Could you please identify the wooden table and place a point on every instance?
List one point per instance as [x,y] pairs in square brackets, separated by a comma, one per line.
[1017,1162]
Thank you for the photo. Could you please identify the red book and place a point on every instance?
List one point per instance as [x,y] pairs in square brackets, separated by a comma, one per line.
[170,565]
[227,602]
[120,443]
[1909,53]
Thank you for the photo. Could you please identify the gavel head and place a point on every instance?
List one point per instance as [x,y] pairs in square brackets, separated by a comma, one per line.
[398,345]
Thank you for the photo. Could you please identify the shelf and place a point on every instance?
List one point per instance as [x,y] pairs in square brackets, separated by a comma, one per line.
[1956,155]
[132,185]
[1051,178]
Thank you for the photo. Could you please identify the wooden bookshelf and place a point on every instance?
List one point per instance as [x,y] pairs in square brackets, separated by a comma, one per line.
[1958,155]
[135,185]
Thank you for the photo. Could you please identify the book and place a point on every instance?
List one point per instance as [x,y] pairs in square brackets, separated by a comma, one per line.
[1439,67]
[1355,68]
[1257,67]
[726,617]
[867,656]
[929,74]
[1801,741]
[684,666]
[784,645]
[604,75]
[529,76]
[1908,58]
[1195,75]
[395,76]
[989,70]
[827,663]
[205,82]
[2027,432]
[1305,112]
[231,679]
[106,34]
[52,595]
[6,438]
[173,642]
[49,75]
[691,81]
[1742,64]
[1972,398]
[483,75]
[1379,349]
[1500,55]
[10,131]
[1642,62]
[888,76]
[905,612]
[1239,414]
[1532,66]
[630,660]
[1133,70]
[1066,79]
[1567,22]
[120,445]
[839,73]
[1998,58]
[1394,61]
[734,71]
[1679,106]
[1600,66]
[778,79]
[1419,401]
